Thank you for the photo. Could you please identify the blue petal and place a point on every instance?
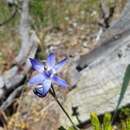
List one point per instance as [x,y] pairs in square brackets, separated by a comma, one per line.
[36,65]
[60,65]
[42,91]
[38,79]
[59,81]
[51,60]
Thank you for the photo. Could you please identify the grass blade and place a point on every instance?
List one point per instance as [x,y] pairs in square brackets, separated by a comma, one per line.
[124,87]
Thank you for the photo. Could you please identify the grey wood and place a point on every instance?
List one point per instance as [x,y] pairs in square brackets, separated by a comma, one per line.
[12,79]
[100,83]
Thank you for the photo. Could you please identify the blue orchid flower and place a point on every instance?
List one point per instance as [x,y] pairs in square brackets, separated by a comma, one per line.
[47,75]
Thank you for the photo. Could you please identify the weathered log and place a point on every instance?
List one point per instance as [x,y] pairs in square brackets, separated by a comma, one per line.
[102,73]
[15,76]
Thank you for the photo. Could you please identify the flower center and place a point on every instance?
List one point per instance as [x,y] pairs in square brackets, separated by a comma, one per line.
[49,73]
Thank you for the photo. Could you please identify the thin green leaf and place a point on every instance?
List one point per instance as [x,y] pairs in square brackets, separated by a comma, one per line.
[107,122]
[124,87]
[95,121]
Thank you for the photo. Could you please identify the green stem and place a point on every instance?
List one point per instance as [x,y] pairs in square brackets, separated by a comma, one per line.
[52,92]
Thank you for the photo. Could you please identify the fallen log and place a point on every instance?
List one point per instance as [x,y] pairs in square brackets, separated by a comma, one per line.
[12,80]
[102,73]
